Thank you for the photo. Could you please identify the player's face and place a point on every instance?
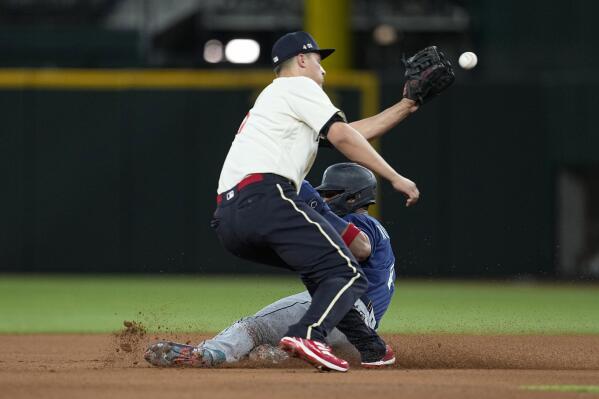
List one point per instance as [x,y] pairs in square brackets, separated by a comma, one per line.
[313,68]
[329,195]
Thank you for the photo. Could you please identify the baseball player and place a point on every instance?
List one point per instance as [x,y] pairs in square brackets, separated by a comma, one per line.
[348,189]
[259,215]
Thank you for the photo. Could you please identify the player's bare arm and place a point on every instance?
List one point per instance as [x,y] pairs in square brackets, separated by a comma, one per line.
[356,148]
[379,124]
[360,247]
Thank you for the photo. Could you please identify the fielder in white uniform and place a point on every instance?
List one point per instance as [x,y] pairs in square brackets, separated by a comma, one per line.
[280,134]
[259,216]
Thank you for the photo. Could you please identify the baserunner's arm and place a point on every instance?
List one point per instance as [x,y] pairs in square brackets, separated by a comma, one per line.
[357,242]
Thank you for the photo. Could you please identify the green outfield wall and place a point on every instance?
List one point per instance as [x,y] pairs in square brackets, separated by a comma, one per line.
[117,170]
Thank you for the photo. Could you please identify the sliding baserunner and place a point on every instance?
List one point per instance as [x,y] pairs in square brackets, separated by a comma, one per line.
[348,189]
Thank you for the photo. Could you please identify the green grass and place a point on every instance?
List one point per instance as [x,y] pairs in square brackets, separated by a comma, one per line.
[563,388]
[494,307]
[30,304]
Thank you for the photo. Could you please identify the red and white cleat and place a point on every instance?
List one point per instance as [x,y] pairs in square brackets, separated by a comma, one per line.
[387,360]
[314,352]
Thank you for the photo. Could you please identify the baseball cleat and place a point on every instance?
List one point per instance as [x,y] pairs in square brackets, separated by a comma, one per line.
[387,360]
[172,354]
[316,353]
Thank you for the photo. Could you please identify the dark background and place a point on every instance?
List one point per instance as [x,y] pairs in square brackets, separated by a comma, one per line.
[124,180]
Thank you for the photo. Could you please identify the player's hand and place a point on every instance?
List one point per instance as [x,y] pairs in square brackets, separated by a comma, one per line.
[408,187]
[411,105]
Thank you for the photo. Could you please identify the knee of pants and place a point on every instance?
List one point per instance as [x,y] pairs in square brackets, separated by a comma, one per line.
[342,276]
[360,285]
[334,284]
[262,331]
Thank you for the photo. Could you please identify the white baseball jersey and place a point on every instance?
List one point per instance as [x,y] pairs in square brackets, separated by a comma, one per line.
[280,133]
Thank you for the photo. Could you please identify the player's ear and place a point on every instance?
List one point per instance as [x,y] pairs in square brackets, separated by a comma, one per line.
[301,60]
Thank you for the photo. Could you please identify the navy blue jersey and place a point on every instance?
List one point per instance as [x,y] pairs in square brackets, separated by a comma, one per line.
[380,265]
[310,196]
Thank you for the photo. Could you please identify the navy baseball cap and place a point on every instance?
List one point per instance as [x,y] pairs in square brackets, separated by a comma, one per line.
[295,43]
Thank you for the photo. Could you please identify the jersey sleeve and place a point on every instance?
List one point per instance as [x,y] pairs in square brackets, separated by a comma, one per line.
[312,106]
[309,195]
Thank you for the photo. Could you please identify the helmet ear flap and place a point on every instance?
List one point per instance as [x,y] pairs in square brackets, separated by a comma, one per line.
[340,205]
[357,184]
[329,194]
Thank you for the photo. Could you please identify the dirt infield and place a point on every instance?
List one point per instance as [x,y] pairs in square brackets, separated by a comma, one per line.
[441,366]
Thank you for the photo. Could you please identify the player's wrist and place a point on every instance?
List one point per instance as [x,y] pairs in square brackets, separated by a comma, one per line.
[396,179]
[351,232]
[409,104]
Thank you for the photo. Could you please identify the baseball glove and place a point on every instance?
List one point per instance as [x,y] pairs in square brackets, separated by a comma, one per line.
[428,73]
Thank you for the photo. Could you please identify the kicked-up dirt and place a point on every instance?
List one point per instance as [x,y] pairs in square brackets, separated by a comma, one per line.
[429,366]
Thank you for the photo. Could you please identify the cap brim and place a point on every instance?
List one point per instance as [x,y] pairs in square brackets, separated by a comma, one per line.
[325,52]
[328,187]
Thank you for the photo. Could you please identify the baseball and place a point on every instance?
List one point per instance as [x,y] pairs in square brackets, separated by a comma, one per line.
[468,60]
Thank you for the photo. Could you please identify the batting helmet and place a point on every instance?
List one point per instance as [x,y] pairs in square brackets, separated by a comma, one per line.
[348,186]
